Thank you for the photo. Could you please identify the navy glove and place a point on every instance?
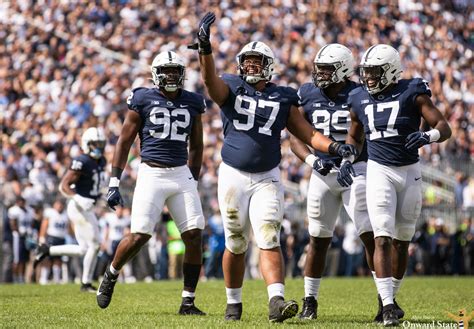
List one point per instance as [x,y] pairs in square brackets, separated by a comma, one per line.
[416,140]
[204,33]
[346,150]
[344,177]
[323,167]
[114,198]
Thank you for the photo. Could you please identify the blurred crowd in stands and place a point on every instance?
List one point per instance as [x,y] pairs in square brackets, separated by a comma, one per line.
[69,65]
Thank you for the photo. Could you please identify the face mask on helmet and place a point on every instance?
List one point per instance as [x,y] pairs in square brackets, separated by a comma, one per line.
[324,75]
[373,78]
[170,78]
[254,67]
[96,149]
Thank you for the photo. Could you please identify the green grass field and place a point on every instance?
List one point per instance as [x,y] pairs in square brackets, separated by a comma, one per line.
[342,303]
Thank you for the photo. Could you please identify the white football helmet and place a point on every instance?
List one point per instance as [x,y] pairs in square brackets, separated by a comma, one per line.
[268,61]
[93,142]
[333,58]
[170,82]
[380,63]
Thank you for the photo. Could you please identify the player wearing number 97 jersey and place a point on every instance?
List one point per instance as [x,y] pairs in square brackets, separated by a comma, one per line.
[167,118]
[254,112]
[81,184]
[389,111]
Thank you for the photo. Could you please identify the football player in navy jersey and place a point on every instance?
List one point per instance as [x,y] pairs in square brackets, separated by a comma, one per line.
[167,118]
[81,184]
[389,111]
[324,105]
[250,193]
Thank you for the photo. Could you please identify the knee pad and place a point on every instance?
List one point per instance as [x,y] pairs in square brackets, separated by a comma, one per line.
[314,207]
[318,230]
[405,232]
[236,243]
[268,235]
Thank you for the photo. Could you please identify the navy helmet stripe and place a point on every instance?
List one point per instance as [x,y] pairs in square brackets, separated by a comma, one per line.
[321,51]
[170,57]
[368,52]
[254,45]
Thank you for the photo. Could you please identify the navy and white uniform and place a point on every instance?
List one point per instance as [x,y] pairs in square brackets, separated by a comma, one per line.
[86,227]
[250,192]
[325,195]
[393,172]
[24,219]
[58,224]
[116,227]
[164,134]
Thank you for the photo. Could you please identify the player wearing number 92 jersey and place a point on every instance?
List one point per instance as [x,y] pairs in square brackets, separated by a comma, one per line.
[389,111]
[254,111]
[167,118]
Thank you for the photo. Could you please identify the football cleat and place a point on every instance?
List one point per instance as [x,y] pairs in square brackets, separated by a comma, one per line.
[87,287]
[398,310]
[233,312]
[389,314]
[310,309]
[280,310]
[106,289]
[188,308]
[40,253]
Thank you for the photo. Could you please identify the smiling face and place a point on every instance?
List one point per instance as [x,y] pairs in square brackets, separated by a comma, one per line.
[253,65]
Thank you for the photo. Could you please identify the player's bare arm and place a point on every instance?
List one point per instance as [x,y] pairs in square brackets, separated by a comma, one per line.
[71,177]
[217,89]
[127,137]
[299,148]
[433,117]
[195,147]
[356,134]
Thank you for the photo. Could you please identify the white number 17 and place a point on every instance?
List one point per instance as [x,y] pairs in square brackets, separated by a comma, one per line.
[381,107]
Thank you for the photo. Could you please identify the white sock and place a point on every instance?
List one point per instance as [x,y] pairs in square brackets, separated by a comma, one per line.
[375,279]
[311,286]
[384,286]
[89,261]
[66,250]
[113,270]
[234,295]
[188,294]
[56,274]
[276,289]
[396,285]
[44,275]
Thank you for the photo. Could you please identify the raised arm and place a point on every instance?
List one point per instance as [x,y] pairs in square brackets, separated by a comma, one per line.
[195,148]
[217,89]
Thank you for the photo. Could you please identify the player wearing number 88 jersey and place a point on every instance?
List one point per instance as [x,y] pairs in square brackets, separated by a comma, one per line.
[254,112]
[167,118]
[389,111]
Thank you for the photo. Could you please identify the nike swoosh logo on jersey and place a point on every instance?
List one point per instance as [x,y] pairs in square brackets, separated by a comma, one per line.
[344,106]
[273,97]
[183,105]
[395,95]
[417,178]
[274,181]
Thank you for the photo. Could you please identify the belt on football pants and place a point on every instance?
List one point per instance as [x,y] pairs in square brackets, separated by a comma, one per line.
[154,164]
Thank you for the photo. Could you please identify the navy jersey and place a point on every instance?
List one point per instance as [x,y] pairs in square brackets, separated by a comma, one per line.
[166,124]
[388,118]
[331,118]
[252,123]
[92,175]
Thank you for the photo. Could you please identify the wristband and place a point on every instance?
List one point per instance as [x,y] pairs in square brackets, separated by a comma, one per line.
[310,159]
[333,147]
[350,158]
[205,49]
[434,134]
[114,182]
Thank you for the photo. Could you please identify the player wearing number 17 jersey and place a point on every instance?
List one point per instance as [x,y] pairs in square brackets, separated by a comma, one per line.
[389,111]
[254,111]
[81,185]
[167,118]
